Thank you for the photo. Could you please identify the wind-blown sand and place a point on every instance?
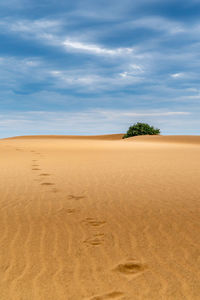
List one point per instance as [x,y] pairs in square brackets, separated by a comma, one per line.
[99,218]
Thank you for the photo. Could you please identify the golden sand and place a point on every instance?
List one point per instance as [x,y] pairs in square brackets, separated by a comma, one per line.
[99,218]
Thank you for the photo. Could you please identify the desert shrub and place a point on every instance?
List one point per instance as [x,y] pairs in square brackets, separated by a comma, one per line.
[141,129]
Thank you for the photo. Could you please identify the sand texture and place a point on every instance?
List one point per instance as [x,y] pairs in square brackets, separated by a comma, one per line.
[100,218]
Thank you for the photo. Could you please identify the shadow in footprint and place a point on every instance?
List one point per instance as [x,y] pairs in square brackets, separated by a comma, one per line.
[130,268]
[71,210]
[93,222]
[95,241]
[36,169]
[47,183]
[45,174]
[75,197]
[112,295]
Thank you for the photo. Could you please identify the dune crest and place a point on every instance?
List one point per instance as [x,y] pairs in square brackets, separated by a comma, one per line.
[184,139]
[73,137]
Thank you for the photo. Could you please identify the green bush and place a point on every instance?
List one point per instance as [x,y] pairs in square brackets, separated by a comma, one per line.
[141,129]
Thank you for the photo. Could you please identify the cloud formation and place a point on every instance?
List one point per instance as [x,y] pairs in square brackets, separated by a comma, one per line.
[95,49]
[131,60]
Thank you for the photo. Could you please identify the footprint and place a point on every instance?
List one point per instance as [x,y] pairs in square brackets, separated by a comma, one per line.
[112,295]
[45,174]
[93,222]
[71,210]
[64,211]
[95,241]
[47,183]
[75,197]
[130,268]
[35,165]
[36,169]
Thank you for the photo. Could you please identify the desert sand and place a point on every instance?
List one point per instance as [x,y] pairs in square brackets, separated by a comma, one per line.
[99,218]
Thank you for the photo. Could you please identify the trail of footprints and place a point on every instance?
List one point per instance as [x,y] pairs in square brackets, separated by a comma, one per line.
[97,238]
[36,167]
[129,268]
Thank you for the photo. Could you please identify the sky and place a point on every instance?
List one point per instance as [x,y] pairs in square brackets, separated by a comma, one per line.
[94,67]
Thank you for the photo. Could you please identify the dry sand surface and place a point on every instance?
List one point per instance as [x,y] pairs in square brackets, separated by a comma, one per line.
[99,218]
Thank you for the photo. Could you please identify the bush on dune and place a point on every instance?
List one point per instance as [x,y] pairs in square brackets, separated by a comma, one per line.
[141,129]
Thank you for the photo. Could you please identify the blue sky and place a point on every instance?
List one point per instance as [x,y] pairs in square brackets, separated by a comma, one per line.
[96,67]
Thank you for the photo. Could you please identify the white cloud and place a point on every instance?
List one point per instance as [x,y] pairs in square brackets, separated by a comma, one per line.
[136,68]
[92,79]
[94,49]
[34,26]
[31,63]
[124,74]
[133,70]
[177,75]
[56,73]
[159,114]
[44,30]
[144,114]
[75,78]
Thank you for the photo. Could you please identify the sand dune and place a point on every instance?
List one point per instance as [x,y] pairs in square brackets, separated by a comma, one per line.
[99,218]
[74,137]
[184,139]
